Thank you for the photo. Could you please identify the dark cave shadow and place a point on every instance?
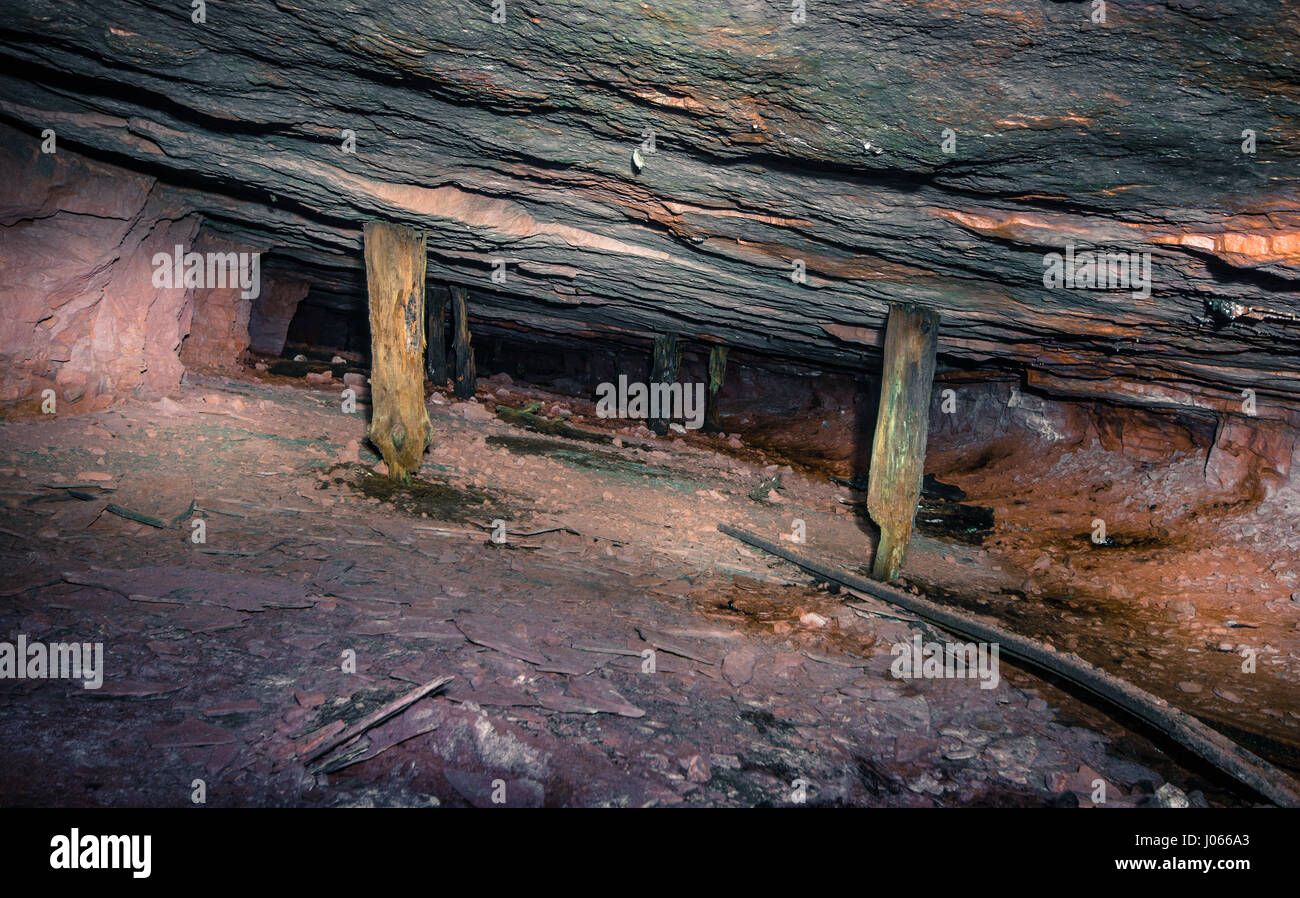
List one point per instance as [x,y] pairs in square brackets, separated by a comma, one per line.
[866,406]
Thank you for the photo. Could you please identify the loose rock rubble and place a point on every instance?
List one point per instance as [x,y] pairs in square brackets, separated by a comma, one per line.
[613,648]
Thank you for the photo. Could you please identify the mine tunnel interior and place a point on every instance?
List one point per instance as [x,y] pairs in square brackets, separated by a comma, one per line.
[325,410]
[994,460]
[1062,513]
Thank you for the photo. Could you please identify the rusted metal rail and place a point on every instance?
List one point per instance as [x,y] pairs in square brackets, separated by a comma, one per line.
[1206,743]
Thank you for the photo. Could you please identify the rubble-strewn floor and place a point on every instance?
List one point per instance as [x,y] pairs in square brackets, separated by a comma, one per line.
[1195,600]
[225,659]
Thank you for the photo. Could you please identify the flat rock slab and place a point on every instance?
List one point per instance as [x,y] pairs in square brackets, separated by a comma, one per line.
[589,696]
[566,661]
[497,636]
[738,666]
[306,641]
[494,695]
[674,647]
[194,585]
[78,516]
[130,689]
[205,619]
[189,734]
[249,706]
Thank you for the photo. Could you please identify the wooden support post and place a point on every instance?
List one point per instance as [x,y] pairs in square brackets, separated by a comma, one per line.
[436,359]
[717,373]
[465,377]
[664,363]
[898,451]
[395,268]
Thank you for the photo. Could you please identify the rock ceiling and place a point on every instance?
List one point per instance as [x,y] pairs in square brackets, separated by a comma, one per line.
[821,142]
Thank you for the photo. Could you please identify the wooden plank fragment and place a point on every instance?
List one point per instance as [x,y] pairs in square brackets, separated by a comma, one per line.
[375,718]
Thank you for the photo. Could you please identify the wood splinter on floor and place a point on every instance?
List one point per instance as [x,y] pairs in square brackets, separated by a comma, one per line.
[377,717]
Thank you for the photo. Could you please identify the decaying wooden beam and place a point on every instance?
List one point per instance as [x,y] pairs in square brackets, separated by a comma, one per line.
[436,330]
[466,377]
[666,359]
[902,423]
[395,271]
[717,374]
[528,418]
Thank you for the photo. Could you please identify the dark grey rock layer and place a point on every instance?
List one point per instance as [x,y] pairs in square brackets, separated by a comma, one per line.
[774,142]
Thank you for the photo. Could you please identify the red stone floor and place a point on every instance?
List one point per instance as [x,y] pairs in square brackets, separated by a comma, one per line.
[225,660]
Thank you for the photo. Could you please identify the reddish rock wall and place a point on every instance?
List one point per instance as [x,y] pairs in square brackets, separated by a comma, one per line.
[85,315]
[218,337]
[272,312]
[82,316]
[1251,457]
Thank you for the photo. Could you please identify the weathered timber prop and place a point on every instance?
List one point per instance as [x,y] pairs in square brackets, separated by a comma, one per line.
[395,269]
[902,423]
[435,360]
[465,377]
[1186,730]
[664,362]
[717,374]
